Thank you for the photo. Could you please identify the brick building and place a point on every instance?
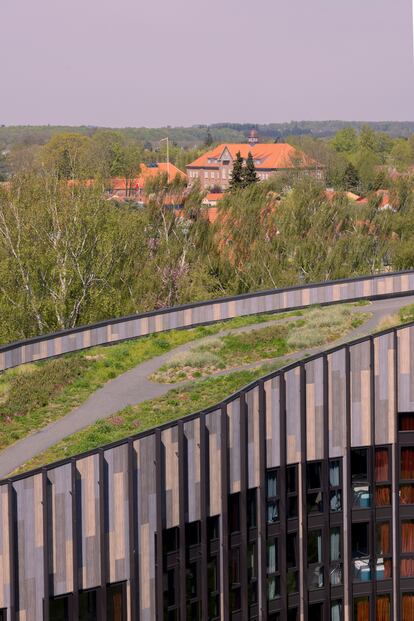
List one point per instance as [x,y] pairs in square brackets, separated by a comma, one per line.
[213,169]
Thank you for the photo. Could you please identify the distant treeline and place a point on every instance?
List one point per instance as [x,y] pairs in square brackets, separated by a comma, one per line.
[197,135]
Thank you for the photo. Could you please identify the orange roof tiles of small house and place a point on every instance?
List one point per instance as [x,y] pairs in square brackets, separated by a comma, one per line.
[330,194]
[215,196]
[147,172]
[266,156]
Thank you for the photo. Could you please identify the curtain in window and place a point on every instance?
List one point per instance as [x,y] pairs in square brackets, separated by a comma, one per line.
[362,609]
[408,607]
[334,472]
[407,463]
[407,494]
[336,611]
[382,495]
[271,485]
[271,558]
[335,544]
[383,610]
[381,465]
[383,539]
[406,422]
[407,537]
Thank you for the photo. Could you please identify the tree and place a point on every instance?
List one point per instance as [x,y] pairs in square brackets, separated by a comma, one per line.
[345,141]
[66,155]
[249,171]
[209,139]
[351,178]
[401,155]
[237,175]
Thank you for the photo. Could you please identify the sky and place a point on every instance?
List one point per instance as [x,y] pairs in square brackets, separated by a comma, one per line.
[133,63]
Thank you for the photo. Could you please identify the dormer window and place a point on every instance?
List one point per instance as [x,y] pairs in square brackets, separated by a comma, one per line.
[226,162]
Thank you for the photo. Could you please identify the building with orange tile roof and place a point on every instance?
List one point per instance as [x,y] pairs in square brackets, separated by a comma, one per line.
[214,167]
[134,188]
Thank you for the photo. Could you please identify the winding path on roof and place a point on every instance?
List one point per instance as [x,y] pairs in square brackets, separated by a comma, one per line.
[134,387]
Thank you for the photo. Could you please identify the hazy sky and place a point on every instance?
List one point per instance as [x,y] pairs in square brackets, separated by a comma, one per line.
[181,62]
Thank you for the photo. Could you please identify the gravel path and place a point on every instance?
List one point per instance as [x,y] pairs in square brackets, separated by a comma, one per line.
[134,387]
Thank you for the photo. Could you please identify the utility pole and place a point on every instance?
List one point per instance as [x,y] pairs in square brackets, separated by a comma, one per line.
[168,155]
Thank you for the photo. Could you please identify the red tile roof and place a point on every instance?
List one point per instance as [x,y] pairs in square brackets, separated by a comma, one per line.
[147,172]
[266,156]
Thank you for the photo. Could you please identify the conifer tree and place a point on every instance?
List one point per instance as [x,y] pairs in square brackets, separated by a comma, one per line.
[351,178]
[249,172]
[237,174]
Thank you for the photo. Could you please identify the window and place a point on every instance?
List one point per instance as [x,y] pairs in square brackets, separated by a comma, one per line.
[252,572]
[315,612]
[170,540]
[407,474]
[293,614]
[192,533]
[88,606]
[335,485]
[234,578]
[335,556]
[292,491]
[251,508]
[406,422]
[407,607]
[360,477]
[361,552]
[383,551]
[206,174]
[272,496]
[213,589]
[116,596]
[58,609]
[234,513]
[407,549]
[314,480]
[315,566]
[273,576]
[361,609]
[383,608]
[382,477]
[213,528]
[292,562]
[336,610]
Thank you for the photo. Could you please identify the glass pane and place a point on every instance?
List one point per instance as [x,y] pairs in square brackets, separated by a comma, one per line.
[272,560]
[382,468]
[252,509]
[360,540]
[314,472]
[58,610]
[359,464]
[314,546]
[362,569]
[361,609]
[88,606]
[316,612]
[315,577]
[335,544]
[361,496]
[336,610]
[407,536]
[115,599]
[171,586]
[292,581]
[273,587]
[383,495]
[291,550]
[334,473]
[272,511]
[212,576]
[383,568]
[271,484]
[407,463]
[407,494]
[234,565]
[408,607]
[192,581]
[291,479]
[407,567]
[336,575]
[192,533]
[406,422]
[336,500]
[292,507]
[383,546]
[315,502]
[234,513]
